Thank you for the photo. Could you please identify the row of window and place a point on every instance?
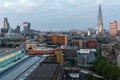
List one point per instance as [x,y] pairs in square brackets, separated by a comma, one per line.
[10,56]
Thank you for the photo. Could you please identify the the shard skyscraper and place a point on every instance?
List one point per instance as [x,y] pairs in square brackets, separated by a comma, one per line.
[99,27]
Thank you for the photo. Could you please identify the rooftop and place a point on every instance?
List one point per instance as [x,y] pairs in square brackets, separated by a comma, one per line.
[43,48]
[90,72]
[44,72]
[86,50]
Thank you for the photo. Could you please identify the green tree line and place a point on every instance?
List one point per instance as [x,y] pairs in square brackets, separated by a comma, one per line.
[108,70]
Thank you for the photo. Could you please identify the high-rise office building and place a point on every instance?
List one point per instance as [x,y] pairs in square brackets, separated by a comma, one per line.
[17,29]
[89,32]
[6,26]
[99,27]
[113,28]
[26,26]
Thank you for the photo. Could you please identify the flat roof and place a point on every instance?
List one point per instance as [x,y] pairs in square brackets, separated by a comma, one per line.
[45,71]
[90,72]
[74,75]
[86,50]
[43,48]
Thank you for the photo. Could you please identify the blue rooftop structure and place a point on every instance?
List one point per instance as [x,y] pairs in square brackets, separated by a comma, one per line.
[21,70]
[9,55]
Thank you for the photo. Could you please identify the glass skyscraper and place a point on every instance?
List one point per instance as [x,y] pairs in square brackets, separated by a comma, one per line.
[26,26]
[99,28]
[6,26]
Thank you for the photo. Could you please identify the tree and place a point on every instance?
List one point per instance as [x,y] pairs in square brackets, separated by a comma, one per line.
[90,77]
[96,54]
[106,69]
[101,65]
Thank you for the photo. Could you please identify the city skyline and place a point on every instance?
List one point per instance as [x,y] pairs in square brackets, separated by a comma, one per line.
[53,15]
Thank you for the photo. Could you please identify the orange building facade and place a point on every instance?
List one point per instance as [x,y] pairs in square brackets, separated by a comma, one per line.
[57,54]
[113,28]
[84,43]
[40,52]
[58,39]
[91,44]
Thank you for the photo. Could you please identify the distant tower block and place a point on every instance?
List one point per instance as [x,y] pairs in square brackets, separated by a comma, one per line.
[88,33]
[26,27]
[113,28]
[6,26]
[99,27]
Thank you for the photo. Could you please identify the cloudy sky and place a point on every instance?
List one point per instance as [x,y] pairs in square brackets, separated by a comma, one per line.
[58,14]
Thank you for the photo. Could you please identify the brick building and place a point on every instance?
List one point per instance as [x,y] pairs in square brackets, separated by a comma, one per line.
[90,43]
[59,39]
[77,42]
